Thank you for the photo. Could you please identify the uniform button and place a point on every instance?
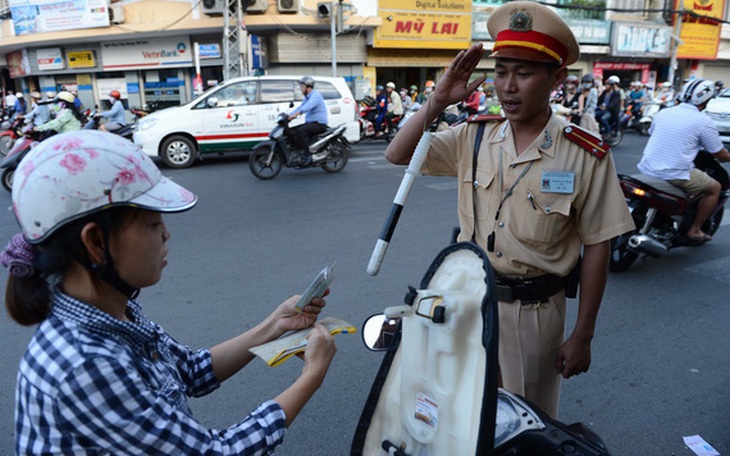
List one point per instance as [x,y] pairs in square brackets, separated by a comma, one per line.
[500,224]
[547,209]
[499,254]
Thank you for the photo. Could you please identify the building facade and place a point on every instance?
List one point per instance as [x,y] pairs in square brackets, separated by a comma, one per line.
[162,51]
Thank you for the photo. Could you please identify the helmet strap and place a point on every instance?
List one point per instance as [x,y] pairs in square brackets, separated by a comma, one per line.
[106,271]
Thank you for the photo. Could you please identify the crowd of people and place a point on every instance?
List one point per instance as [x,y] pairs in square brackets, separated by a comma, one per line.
[61,112]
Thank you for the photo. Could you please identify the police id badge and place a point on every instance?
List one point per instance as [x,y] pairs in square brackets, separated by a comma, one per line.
[557,182]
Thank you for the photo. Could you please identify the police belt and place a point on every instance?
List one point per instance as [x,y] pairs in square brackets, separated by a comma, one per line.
[533,289]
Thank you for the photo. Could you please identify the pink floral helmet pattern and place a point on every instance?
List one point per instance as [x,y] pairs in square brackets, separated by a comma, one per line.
[73,174]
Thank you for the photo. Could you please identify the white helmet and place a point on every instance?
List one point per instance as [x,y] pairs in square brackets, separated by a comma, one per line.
[19,95]
[613,79]
[68,97]
[74,174]
[697,91]
[50,94]
[391,85]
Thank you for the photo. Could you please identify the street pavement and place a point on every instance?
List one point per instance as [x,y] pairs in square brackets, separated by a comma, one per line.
[660,353]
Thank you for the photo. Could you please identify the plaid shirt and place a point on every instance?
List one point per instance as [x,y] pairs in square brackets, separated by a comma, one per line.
[90,383]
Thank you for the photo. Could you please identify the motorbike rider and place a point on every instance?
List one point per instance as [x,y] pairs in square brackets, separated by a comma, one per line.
[677,134]
[381,109]
[395,104]
[407,102]
[570,97]
[20,107]
[636,98]
[665,97]
[67,119]
[427,90]
[719,87]
[98,375]
[115,115]
[587,102]
[413,93]
[40,112]
[315,118]
[533,236]
[609,105]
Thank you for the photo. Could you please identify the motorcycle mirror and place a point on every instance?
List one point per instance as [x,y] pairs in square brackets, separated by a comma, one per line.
[291,104]
[212,102]
[377,332]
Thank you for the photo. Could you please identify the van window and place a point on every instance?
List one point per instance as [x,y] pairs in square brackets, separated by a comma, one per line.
[239,94]
[328,90]
[275,91]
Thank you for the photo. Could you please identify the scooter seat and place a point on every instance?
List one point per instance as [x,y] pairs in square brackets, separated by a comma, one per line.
[660,184]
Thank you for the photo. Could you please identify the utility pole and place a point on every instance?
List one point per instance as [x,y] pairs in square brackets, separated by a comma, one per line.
[235,40]
[675,42]
[333,35]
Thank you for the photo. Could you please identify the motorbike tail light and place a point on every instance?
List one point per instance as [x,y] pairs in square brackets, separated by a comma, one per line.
[638,192]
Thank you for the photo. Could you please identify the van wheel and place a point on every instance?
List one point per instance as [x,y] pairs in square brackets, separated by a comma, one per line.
[7,179]
[178,152]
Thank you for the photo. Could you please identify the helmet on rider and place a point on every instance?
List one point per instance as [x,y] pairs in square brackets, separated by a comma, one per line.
[697,92]
[587,81]
[114,93]
[50,94]
[429,84]
[390,85]
[571,79]
[35,95]
[414,88]
[307,81]
[613,79]
[68,97]
[379,87]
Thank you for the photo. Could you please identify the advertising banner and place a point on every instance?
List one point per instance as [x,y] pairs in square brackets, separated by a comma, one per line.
[50,59]
[586,31]
[40,16]
[641,40]
[80,59]
[416,24]
[18,63]
[105,86]
[700,36]
[150,53]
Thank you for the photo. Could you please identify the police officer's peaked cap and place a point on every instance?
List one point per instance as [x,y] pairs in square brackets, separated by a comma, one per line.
[527,30]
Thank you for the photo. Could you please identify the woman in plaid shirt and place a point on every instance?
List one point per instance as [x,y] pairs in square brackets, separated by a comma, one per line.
[98,376]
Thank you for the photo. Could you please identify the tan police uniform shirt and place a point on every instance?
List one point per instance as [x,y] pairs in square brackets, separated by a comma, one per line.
[567,198]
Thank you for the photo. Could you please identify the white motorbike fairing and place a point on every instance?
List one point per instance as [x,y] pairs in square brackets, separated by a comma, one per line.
[441,361]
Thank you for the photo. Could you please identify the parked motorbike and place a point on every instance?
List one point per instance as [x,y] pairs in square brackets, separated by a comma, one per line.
[28,139]
[330,151]
[436,390]
[663,213]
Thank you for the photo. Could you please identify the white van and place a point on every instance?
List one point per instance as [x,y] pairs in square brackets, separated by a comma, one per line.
[236,115]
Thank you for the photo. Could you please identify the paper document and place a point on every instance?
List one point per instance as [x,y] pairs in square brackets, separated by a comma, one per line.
[317,287]
[279,350]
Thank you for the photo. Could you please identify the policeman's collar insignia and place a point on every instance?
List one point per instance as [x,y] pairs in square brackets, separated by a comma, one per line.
[520,21]
[548,143]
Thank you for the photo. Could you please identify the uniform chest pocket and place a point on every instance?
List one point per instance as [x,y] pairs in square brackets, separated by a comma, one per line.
[479,190]
[541,217]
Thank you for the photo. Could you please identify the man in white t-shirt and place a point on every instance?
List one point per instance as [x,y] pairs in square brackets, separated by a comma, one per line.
[677,135]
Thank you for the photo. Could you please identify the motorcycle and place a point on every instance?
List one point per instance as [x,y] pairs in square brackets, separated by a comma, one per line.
[94,121]
[11,132]
[663,213]
[436,392]
[650,110]
[613,137]
[330,151]
[367,119]
[28,139]
[631,119]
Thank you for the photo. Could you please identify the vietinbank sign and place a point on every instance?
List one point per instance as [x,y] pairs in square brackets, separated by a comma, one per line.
[150,53]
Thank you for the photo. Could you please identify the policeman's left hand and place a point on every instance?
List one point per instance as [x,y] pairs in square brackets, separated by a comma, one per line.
[574,357]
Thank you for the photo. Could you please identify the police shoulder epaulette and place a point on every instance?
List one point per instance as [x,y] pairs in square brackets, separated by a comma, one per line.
[484,118]
[587,140]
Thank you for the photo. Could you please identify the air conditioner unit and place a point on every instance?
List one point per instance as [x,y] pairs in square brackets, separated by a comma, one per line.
[116,14]
[287,6]
[213,7]
[258,6]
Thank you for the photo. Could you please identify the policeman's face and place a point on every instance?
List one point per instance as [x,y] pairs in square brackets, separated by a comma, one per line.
[523,88]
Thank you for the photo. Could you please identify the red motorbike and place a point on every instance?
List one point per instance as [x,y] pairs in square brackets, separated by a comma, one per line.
[368,116]
[663,213]
[11,132]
